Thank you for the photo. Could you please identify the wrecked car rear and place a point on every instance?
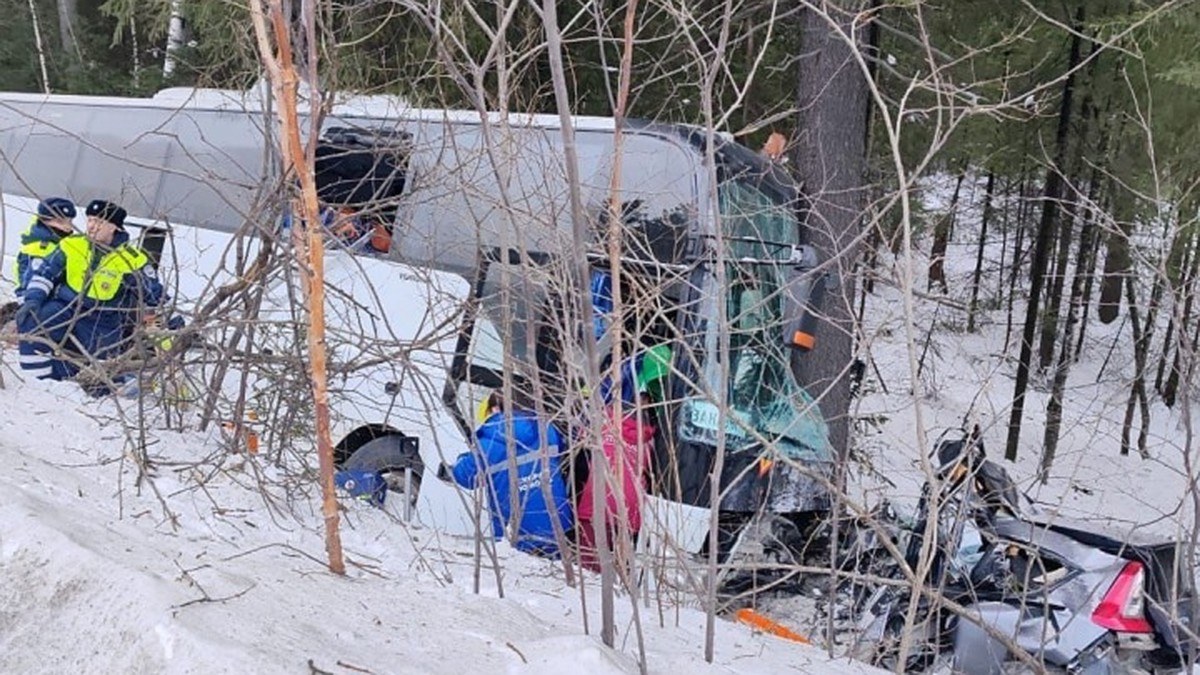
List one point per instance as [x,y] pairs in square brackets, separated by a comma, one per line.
[1012,588]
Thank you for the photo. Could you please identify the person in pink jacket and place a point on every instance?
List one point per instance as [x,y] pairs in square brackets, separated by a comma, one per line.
[628,460]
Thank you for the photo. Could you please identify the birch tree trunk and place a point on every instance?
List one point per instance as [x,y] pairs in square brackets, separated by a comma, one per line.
[579,227]
[311,253]
[174,38]
[41,47]
[68,10]
[135,52]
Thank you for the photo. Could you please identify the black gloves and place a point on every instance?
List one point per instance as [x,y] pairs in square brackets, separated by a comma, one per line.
[25,311]
[445,473]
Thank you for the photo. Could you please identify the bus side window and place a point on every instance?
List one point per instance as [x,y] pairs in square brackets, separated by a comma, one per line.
[366,171]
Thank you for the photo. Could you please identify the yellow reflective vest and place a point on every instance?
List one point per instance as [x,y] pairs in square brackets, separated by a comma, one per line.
[34,249]
[102,282]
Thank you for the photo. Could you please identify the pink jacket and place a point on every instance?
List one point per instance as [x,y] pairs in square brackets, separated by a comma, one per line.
[635,461]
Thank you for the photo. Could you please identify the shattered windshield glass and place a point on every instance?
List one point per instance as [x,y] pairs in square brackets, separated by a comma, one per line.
[761,390]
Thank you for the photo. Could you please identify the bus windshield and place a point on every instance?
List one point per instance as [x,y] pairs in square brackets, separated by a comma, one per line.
[765,402]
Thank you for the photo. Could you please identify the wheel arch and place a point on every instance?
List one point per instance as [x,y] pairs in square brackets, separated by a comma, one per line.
[359,437]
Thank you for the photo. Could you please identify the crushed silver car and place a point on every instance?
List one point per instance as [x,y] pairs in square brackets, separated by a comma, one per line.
[1011,588]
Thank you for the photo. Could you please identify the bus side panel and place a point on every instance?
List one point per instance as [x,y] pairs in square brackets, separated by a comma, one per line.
[186,165]
[216,167]
[42,144]
[463,197]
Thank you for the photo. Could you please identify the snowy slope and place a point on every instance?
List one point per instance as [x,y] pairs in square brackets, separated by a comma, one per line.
[225,575]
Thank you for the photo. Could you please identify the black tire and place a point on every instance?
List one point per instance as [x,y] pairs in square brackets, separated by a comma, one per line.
[385,453]
[388,456]
[358,438]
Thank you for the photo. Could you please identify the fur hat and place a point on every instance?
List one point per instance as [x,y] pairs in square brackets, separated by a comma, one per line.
[107,211]
[56,207]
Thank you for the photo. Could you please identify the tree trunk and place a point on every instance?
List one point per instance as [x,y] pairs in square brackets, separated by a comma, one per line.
[1049,328]
[1179,270]
[135,54]
[1015,271]
[1004,228]
[870,263]
[871,259]
[830,152]
[174,38]
[989,191]
[608,566]
[941,239]
[1089,281]
[1116,267]
[1143,332]
[1137,393]
[68,13]
[1186,355]
[1041,252]
[298,164]
[871,52]
[1070,213]
[833,95]
[1109,303]
[39,45]
[579,227]
[1170,388]
[1161,373]
[1065,357]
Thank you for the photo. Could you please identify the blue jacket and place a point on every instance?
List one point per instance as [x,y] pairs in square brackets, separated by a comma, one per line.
[538,477]
[328,214]
[99,326]
[39,237]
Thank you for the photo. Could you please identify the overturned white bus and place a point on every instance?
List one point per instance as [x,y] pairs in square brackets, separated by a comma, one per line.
[485,198]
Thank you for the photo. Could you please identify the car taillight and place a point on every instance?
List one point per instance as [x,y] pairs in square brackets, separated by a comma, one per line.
[1122,607]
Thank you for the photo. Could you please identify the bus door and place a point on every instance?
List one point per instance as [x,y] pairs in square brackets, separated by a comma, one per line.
[506,336]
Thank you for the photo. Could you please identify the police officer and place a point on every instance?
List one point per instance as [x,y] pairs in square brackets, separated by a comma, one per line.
[87,296]
[51,224]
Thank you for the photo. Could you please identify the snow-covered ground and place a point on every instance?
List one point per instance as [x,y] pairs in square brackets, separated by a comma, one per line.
[970,376]
[209,572]
[216,565]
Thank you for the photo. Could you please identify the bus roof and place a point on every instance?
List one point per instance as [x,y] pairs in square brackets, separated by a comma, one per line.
[345,105]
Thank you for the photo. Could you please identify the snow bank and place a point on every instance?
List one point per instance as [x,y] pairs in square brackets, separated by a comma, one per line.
[202,570]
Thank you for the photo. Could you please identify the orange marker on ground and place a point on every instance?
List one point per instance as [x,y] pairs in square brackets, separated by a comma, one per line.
[759,622]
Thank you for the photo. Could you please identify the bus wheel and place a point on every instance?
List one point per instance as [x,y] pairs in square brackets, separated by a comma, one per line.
[396,458]
[358,438]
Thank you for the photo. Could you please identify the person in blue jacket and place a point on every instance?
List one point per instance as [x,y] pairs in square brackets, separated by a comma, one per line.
[86,297]
[49,226]
[540,503]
